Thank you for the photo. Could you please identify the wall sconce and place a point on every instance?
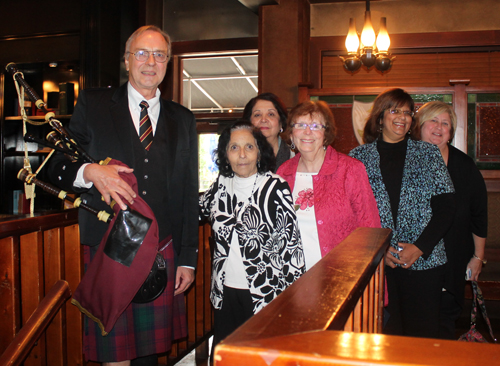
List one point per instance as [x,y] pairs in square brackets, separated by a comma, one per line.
[373,50]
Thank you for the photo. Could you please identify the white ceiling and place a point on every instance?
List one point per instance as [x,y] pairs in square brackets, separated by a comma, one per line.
[219,84]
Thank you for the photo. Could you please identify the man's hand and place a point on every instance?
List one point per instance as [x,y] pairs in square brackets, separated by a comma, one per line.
[109,183]
[183,279]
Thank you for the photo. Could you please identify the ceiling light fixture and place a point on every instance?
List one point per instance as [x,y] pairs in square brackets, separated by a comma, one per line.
[373,50]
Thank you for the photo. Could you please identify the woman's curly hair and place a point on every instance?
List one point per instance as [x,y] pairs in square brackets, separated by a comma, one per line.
[266,159]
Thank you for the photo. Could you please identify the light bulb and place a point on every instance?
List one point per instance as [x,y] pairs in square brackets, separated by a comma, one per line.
[368,34]
[352,40]
[383,40]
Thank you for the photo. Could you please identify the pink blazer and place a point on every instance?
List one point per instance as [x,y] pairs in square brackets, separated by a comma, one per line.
[343,198]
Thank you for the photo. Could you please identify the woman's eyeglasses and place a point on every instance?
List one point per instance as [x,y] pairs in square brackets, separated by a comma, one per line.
[312,126]
[398,112]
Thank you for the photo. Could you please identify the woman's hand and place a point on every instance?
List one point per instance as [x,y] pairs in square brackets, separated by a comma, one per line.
[391,260]
[409,254]
[475,266]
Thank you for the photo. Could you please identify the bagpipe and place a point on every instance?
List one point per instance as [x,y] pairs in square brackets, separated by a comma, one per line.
[57,140]
[127,266]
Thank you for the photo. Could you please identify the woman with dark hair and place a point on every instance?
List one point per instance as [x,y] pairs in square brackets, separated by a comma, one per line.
[268,113]
[258,251]
[415,199]
[331,191]
[466,239]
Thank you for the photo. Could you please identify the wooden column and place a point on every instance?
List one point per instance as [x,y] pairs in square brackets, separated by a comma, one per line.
[284,48]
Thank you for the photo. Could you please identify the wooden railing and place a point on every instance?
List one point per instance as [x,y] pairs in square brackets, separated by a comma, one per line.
[198,307]
[37,324]
[36,252]
[308,323]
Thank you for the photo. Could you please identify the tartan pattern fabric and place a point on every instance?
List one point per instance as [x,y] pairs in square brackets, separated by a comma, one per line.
[145,127]
[142,329]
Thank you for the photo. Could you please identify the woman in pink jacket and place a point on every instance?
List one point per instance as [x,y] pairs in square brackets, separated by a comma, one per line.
[331,192]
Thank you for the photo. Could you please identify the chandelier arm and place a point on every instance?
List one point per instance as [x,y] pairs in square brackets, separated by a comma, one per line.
[368,56]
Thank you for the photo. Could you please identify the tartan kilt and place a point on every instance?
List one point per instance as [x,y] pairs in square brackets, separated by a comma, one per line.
[142,329]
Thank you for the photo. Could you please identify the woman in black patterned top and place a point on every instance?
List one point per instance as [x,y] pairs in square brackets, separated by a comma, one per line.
[414,195]
[258,251]
[466,239]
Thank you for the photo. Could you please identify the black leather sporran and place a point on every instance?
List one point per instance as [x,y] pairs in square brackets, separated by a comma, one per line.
[155,284]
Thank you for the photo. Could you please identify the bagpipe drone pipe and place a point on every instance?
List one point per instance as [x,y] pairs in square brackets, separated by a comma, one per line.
[127,266]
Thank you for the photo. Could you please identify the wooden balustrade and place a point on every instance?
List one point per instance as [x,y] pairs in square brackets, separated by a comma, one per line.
[36,252]
[38,322]
[332,316]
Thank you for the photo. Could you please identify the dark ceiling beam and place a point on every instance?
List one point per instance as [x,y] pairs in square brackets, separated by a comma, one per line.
[253,5]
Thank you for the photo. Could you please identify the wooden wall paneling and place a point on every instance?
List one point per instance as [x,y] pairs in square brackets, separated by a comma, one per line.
[174,351]
[349,324]
[369,309]
[32,286]
[424,70]
[191,314]
[317,46]
[73,265]
[10,321]
[280,53]
[436,40]
[405,43]
[304,24]
[53,272]
[365,308]
[35,327]
[358,315]
[63,46]
[162,360]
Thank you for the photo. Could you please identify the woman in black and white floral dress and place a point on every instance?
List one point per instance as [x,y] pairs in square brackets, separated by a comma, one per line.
[258,251]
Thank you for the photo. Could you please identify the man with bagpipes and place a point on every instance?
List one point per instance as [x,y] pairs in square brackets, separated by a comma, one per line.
[153,178]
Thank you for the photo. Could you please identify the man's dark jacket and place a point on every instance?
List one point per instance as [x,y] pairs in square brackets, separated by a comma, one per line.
[167,175]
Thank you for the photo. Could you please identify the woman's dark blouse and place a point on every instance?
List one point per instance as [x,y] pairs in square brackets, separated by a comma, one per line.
[392,161]
[425,196]
[284,153]
[471,217]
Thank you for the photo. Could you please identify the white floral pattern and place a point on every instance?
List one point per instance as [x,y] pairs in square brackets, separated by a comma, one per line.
[268,235]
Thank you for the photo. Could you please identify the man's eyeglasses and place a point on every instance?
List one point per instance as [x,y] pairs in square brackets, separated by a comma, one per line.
[398,112]
[312,126]
[143,55]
